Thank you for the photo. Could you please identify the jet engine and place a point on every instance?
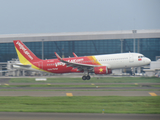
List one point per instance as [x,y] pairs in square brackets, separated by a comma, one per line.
[102,70]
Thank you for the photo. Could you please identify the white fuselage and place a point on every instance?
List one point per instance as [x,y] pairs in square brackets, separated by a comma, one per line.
[122,60]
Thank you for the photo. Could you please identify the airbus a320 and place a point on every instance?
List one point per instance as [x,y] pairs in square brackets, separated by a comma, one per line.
[98,64]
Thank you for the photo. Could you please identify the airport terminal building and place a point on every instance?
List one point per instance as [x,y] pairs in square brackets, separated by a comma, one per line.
[43,46]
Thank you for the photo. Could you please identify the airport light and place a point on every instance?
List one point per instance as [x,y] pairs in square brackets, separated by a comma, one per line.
[121,45]
[134,44]
[42,50]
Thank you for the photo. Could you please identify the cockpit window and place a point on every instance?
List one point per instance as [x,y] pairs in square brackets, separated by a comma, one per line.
[140,56]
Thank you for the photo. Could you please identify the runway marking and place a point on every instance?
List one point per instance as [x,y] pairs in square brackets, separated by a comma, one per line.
[153,94]
[136,83]
[69,94]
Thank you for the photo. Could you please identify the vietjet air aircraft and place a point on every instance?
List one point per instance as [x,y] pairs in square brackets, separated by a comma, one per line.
[98,64]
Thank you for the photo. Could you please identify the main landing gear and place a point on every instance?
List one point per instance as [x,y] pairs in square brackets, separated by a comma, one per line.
[86,77]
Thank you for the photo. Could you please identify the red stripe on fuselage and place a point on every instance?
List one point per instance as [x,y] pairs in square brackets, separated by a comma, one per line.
[51,65]
[56,66]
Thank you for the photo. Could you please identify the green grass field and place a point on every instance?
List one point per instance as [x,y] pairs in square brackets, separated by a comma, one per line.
[78,80]
[78,90]
[76,104]
[93,80]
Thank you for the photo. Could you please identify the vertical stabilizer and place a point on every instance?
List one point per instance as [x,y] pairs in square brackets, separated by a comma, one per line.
[24,54]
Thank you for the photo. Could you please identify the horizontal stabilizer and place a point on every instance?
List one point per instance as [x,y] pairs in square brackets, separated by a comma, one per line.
[21,65]
[8,70]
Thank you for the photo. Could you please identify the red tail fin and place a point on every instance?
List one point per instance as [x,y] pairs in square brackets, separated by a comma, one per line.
[24,54]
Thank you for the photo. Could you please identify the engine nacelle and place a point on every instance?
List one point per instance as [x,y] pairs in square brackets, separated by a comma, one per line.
[102,70]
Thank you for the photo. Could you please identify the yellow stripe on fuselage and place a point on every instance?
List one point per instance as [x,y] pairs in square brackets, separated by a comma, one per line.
[95,60]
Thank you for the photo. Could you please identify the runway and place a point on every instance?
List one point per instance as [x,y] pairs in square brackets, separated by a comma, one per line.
[142,84]
[79,93]
[4,81]
[78,88]
[75,116]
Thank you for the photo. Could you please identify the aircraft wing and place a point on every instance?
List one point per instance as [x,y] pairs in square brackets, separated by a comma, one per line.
[76,65]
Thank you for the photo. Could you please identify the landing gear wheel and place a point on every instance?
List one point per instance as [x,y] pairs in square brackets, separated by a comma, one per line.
[88,77]
[84,77]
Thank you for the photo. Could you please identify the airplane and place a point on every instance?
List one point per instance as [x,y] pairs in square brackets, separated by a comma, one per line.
[98,64]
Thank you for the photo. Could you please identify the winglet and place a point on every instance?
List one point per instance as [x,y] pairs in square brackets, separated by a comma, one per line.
[59,58]
[75,55]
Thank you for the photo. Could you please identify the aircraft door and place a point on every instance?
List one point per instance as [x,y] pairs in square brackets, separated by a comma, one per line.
[131,58]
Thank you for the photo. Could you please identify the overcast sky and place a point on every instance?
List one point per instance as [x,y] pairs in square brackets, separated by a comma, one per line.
[54,16]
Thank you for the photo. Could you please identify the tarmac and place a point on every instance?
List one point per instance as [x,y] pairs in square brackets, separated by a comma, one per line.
[79,93]
[75,116]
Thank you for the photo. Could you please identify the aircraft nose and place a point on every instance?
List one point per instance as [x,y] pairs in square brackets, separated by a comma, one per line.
[148,61]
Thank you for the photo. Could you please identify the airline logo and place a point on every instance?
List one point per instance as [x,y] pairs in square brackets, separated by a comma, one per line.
[59,64]
[139,59]
[100,70]
[75,60]
[24,50]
